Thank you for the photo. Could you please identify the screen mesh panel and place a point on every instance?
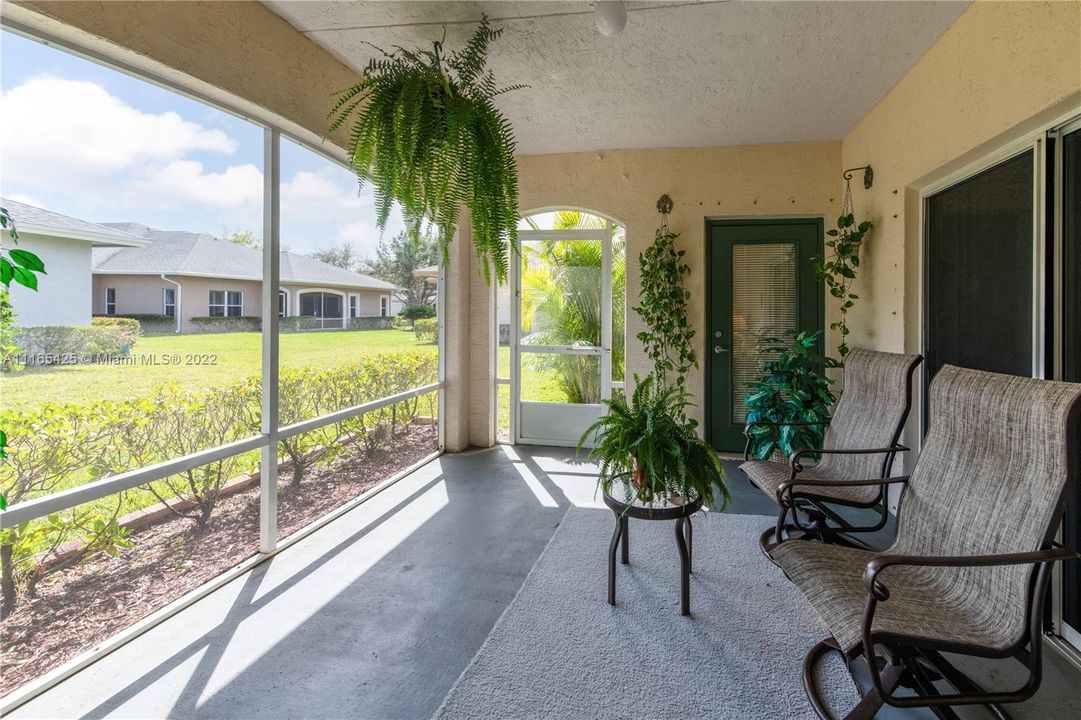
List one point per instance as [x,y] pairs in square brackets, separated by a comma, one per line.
[763,305]
[979,271]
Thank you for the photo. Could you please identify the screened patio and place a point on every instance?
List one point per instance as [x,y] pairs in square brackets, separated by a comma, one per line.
[399,521]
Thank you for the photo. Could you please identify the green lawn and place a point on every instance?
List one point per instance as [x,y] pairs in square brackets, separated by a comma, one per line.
[193,361]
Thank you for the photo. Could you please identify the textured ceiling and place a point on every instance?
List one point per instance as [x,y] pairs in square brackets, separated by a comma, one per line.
[681,75]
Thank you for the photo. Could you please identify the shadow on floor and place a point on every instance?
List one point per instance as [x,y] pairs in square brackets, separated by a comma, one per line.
[375,615]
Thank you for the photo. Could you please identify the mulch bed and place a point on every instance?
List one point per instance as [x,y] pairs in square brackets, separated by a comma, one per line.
[77,608]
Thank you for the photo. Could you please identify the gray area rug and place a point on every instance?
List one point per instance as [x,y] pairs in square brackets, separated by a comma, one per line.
[560,651]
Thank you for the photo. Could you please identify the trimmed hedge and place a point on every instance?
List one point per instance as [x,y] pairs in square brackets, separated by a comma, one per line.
[149,323]
[62,446]
[371,323]
[243,323]
[426,330]
[63,345]
[130,325]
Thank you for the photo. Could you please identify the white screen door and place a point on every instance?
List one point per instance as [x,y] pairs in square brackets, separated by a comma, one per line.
[561,332]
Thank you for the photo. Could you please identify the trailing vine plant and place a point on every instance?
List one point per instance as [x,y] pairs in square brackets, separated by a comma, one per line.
[426,133]
[663,308]
[838,271]
[23,267]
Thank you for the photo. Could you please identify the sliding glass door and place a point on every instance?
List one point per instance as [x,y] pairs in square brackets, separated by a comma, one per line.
[1002,292]
[981,245]
[1066,223]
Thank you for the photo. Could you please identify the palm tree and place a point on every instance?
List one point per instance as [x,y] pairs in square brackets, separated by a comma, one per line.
[561,301]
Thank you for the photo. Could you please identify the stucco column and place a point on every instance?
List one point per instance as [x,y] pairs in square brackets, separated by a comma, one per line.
[481,357]
[456,327]
[469,346]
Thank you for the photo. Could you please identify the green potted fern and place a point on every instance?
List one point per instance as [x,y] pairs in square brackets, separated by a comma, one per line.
[427,134]
[650,440]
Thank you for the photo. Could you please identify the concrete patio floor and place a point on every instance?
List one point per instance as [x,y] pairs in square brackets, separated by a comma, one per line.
[376,614]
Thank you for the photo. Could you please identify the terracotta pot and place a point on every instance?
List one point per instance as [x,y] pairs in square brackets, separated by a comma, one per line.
[640,481]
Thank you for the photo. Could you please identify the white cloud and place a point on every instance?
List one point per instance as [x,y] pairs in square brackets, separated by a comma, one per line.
[55,131]
[183,182]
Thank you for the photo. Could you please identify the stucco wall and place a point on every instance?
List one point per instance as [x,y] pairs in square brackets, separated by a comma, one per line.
[139,294]
[63,294]
[1001,69]
[752,181]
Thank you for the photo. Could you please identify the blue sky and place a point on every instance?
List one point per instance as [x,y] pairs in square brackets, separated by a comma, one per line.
[85,140]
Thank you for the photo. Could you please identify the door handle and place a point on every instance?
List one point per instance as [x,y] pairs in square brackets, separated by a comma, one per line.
[718,349]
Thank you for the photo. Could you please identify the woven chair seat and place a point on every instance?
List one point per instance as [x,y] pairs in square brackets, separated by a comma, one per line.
[768,475]
[925,605]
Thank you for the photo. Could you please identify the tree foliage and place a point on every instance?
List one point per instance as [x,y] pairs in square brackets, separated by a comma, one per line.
[396,259]
[244,238]
[345,256]
[426,132]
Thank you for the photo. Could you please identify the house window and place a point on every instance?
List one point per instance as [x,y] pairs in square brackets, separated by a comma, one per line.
[169,302]
[226,303]
[328,307]
[110,301]
[384,306]
[283,303]
[352,306]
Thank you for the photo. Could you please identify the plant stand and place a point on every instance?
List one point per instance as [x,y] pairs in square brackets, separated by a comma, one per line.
[623,500]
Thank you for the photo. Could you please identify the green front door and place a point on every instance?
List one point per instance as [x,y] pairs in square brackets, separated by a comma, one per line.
[761,283]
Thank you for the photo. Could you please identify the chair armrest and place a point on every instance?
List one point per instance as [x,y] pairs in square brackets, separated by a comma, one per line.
[876,566]
[786,488]
[795,459]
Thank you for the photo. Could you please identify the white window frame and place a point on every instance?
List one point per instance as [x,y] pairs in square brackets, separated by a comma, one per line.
[165,304]
[283,303]
[354,305]
[384,306]
[226,305]
[110,304]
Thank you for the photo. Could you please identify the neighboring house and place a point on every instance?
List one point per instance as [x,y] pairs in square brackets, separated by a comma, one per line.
[185,275]
[65,245]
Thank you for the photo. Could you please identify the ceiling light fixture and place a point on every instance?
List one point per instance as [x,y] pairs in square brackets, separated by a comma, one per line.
[610,17]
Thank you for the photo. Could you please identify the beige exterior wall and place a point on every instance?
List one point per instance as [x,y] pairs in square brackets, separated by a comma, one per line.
[143,294]
[1003,69]
[138,294]
[754,181]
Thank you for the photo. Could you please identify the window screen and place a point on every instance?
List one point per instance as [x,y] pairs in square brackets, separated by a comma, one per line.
[979,271]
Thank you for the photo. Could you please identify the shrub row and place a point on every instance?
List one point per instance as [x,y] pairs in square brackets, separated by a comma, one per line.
[63,345]
[426,330]
[371,323]
[243,323]
[54,447]
[149,324]
[295,323]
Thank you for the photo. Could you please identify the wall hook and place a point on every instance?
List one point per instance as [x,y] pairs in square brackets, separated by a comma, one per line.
[868,175]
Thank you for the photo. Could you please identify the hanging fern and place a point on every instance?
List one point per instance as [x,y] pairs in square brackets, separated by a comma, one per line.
[427,134]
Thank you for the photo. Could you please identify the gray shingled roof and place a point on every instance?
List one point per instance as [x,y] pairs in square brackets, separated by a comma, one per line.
[30,219]
[177,252]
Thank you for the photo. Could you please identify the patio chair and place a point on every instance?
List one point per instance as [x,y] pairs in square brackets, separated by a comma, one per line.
[860,443]
[968,570]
